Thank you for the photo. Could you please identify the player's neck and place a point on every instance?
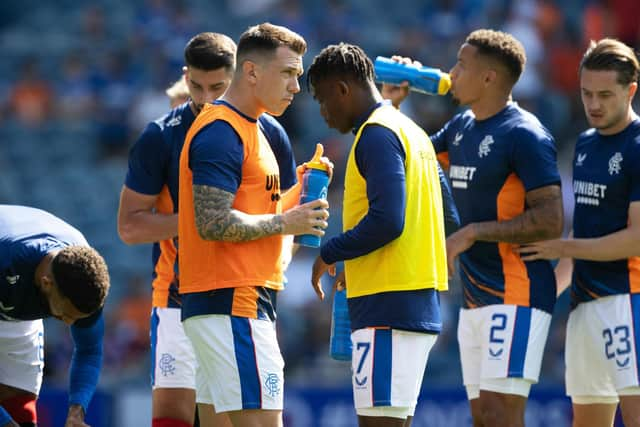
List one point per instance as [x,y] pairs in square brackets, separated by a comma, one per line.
[243,100]
[365,100]
[621,125]
[488,106]
[194,108]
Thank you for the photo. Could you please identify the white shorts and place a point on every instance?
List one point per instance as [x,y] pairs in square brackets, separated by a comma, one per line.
[173,362]
[387,369]
[22,354]
[501,348]
[240,362]
[601,349]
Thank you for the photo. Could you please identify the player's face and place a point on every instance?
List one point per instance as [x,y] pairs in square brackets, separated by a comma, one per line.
[206,86]
[277,80]
[61,307]
[332,96]
[467,76]
[606,102]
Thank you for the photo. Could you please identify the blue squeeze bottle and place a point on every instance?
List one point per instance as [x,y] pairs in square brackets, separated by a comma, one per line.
[340,342]
[427,80]
[315,184]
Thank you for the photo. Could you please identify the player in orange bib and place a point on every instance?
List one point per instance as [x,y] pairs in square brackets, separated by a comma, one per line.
[231,220]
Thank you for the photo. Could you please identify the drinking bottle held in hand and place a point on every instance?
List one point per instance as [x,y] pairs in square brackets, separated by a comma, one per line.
[315,184]
[340,341]
[427,80]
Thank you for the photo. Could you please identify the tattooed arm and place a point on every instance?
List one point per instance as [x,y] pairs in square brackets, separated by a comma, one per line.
[541,220]
[217,220]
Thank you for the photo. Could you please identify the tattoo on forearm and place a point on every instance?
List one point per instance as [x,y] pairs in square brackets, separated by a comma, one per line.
[217,220]
[542,220]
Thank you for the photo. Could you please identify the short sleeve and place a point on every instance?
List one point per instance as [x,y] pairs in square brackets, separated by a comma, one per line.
[215,157]
[634,171]
[282,150]
[534,158]
[440,138]
[148,158]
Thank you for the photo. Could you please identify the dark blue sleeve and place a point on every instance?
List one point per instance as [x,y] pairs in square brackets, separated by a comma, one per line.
[4,416]
[451,216]
[281,147]
[86,360]
[148,158]
[534,158]
[634,172]
[215,157]
[439,140]
[380,159]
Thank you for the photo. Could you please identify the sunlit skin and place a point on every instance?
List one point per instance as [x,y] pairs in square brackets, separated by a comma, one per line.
[206,86]
[277,80]
[467,76]
[60,306]
[606,101]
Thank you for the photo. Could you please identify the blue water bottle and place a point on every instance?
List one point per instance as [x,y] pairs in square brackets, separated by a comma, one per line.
[427,80]
[315,184]
[340,341]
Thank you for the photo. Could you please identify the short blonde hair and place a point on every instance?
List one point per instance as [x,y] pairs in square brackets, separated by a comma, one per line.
[178,92]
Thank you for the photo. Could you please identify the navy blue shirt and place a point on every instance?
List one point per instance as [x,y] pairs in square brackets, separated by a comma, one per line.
[606,180]
[27,235]
[492,163]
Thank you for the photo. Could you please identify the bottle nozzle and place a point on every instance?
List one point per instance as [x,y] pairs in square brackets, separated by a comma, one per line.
[444,84]
[319,152]
[315,162]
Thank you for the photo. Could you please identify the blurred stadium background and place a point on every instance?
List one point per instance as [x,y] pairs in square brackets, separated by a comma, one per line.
[80,79]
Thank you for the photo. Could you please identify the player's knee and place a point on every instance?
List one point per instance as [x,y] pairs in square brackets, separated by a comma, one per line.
[22,409]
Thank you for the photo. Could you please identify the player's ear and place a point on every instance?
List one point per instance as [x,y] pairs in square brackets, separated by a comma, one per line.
[47,283]
[343,87]
[249,69]
[490,76]
[633,88]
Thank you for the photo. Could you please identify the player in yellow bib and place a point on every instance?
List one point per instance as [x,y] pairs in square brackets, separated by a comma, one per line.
[393,242]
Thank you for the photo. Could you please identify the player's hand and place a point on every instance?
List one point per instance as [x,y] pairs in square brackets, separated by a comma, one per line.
[319,268]
[457,243]
[397,93]
[548,249]
[340,283]
[75,417]
[308,218]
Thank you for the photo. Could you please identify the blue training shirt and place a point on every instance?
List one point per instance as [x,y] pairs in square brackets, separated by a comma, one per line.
[27,235]
[606,180]
[492,163]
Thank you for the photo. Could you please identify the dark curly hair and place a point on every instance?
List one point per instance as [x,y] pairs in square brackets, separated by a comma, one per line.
[501,47]
[610,54]
[81,275]
[345,60]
